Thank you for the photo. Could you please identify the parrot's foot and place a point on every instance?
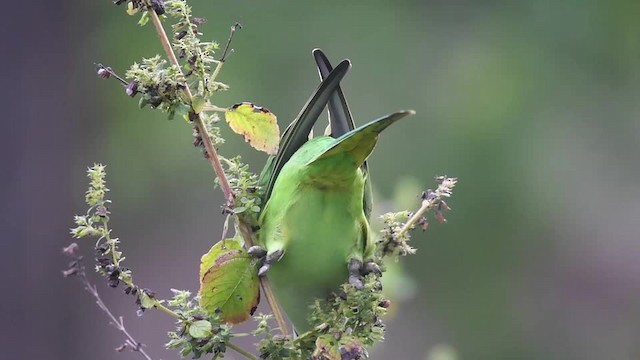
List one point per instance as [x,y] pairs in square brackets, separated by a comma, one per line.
[355,267]
[267,258]
[357,270]
[257,252]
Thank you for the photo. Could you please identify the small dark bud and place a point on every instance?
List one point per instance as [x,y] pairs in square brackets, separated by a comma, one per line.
[102,248]
[193,116]
[158,6]
[252,189]
[386,303]
[192,59]
[103,72]
[180,36]
[423,223]
[118,2]
[71,250]
[127,290]
[132,88]
[114,279]
[218,311]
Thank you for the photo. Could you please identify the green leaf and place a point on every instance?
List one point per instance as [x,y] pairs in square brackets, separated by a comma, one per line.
[229,281]
[197,103]
[144,19]
[221,247]
[258,125]
[200,329]
[326,348]
[146,301]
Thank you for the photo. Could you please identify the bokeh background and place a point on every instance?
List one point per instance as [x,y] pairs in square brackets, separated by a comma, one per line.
[532,104]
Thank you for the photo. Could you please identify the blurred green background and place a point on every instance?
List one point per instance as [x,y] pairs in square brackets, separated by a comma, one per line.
[532,104]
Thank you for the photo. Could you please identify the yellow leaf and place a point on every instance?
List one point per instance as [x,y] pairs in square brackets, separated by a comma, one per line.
[258,125]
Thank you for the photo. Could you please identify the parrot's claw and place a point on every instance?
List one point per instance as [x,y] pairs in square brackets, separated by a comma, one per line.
[263,269]
[356,282]
[355,268]
[257,251]
[270,259]
[371,267]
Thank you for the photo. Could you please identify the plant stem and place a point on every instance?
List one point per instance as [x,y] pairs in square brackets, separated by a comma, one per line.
[426,205]
[429,202]
[208,145]
[247,234]
[241,351]
[208,108]
[166,310]
[131,342]
[217,167]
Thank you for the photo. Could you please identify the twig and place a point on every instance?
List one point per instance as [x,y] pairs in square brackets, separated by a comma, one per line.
[217,166]
[211,150]
[242,351]
[118,322]
[430,200]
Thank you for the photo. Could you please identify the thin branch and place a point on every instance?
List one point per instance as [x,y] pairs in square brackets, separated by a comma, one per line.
[213,108]
[247,234]
[217,166]
[118,322]
[242,351]
[211,150]
[430,200]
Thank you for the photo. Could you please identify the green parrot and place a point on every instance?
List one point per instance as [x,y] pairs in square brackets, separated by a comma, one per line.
[314,225]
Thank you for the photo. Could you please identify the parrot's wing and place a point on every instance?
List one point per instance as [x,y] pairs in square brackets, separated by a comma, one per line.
[341,122]
[297,132]
[359,143]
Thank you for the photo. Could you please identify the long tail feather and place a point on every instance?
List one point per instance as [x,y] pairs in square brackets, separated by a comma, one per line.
[298,131]
[340,118]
